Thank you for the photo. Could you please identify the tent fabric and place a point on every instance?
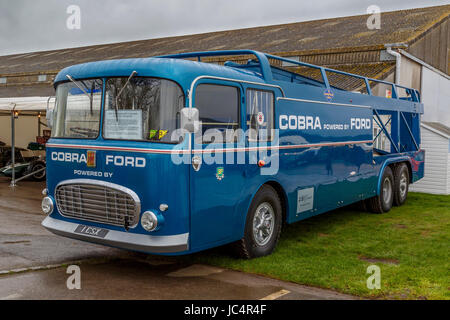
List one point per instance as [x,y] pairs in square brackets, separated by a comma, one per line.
[25,103]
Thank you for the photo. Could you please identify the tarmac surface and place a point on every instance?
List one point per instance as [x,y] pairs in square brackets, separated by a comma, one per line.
[34,265]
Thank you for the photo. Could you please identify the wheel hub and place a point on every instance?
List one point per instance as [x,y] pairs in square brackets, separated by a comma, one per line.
[387,190]
[403,185]
[263,223]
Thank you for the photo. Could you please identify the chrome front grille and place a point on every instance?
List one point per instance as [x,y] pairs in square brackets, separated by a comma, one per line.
[98,201]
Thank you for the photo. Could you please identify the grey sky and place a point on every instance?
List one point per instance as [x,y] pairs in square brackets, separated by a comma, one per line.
[38,25]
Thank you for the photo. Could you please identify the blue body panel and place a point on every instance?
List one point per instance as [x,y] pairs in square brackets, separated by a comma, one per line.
[330,159]
[159,182]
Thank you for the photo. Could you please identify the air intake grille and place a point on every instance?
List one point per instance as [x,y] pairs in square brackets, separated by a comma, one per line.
[104,203]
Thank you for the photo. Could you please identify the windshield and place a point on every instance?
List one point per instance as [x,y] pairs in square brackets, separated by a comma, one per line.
[146,109]
[78,109]
[141,109]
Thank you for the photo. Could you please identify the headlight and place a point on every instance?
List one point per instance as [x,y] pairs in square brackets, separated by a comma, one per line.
[47,205]
[151,221]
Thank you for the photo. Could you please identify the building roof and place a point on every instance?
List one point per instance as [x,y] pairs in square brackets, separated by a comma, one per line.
[443,129]
[343,43]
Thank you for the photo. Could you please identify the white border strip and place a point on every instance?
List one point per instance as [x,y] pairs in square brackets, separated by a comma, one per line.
[243,149]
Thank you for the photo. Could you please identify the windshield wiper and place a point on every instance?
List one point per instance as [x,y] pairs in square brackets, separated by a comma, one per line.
[90,96]
[120,92]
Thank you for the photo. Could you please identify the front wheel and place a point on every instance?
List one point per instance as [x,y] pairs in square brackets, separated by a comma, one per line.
[263,225]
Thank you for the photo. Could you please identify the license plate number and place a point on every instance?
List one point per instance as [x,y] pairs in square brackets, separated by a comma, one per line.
[91,231]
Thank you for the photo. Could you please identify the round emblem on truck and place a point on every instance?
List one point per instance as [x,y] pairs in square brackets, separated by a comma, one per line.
[260,118]
[328,95]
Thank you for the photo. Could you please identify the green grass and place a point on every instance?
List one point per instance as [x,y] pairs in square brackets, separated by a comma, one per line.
[410,244]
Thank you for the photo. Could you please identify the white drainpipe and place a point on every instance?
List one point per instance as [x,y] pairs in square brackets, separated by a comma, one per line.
[398,64]
[398,59]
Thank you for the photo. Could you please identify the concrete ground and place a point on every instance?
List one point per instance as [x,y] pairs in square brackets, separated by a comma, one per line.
[34,262]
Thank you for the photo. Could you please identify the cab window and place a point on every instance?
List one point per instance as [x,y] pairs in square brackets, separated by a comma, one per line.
[218,107]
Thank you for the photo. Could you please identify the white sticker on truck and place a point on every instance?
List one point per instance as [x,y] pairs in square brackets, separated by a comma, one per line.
[305,200]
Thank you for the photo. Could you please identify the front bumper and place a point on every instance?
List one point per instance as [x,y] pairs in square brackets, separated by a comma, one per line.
[124,240]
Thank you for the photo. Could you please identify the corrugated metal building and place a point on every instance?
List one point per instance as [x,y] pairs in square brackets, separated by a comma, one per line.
[421,36]
[342,43]
[436,138]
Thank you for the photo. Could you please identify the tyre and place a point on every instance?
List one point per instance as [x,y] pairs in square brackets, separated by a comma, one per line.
[263,225]
[40,176]
[401,184]
[384,201]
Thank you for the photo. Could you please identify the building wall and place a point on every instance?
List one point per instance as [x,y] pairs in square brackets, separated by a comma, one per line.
[448,169]
[436,97]
[410,74]
[379,90]
[26,130]
[437,164]
[433,47]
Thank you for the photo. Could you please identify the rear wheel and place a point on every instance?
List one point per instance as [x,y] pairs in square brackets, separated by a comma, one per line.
[263,225]
[383,202]
[401,184]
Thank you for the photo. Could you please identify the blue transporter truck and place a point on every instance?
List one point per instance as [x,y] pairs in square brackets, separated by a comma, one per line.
[173,155]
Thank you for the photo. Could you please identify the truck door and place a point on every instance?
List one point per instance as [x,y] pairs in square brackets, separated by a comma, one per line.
[216,184]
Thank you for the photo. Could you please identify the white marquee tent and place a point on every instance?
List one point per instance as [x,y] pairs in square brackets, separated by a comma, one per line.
[28,106]
[38,104]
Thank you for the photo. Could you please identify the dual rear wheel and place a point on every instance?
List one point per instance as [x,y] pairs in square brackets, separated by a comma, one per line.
[393,190]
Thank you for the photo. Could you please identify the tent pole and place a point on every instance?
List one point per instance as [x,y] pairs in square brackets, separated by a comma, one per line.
[39,124]
[13,149]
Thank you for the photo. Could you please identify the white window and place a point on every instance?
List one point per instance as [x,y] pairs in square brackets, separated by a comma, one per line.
[260,115]
[381,141]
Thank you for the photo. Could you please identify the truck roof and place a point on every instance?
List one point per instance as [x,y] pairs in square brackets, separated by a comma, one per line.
[179,70]
[262,68]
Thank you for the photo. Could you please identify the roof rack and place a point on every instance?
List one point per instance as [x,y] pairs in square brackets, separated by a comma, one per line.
[266,71]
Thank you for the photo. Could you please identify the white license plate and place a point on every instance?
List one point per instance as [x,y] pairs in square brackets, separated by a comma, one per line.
[91,231]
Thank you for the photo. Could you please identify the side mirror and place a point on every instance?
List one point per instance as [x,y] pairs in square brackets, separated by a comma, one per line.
[49,118]
[190,120]
[49,113]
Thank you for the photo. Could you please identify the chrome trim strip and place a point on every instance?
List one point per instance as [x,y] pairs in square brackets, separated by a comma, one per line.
[124,240]
[89,147]
[241,149]
[282,147]
[323,102]
[123,189]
